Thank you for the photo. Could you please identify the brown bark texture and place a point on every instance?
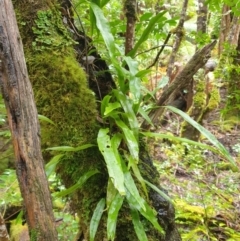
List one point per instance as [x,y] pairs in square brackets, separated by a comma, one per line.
[202,16]
[234,31]
[225,26]
[3,230]
[178,39]
[24,126]
[130,8]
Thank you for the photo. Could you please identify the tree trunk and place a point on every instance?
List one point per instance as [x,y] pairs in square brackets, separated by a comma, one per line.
[130,8]
[224,28]
[178,39]
[202,16]
[24,126]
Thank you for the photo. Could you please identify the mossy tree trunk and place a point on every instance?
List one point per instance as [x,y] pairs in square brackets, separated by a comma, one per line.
[62,94]
[233,101]
[229,62]
[24,127]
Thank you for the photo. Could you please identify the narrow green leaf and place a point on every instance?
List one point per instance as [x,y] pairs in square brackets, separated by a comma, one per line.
[138,175]
[134,82]
[137,224]
[131,187]
[46,119]
[130,139]
[78,185]
[69,148]
[148,213]
[146,32]
[103,26]
[128,108]
[51,166]
[113,165]
[113,210]
[104,2]
[144,114]
[104,103]
[92,17]
[179,139]
[161,193]
[143,73]
[61,148]
[111,107]
[95,220]
[111,192]
[206,133]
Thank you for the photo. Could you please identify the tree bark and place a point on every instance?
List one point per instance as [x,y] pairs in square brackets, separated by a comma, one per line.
[130,8]
[225,26]
[202,16]
[24,126]
[179,36]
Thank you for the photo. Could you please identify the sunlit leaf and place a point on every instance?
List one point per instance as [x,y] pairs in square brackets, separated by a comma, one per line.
[113,210]
[134,82]
[111,192]
[111,107]
[51,165]
[206,133]
[131,187]
[130,139]
[104,2]
[104,103]
[69,148]
[46,119]
[143,73]
[95,220]
[178,139]
[136,172]
[104,28]
[129,111]
[113,165]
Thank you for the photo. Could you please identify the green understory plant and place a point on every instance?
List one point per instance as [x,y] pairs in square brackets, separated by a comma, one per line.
[119,142]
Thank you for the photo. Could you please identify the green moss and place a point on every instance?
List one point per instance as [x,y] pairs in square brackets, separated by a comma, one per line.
[18,231]
[196,111]
[227,124]
[214,99]
[62,95]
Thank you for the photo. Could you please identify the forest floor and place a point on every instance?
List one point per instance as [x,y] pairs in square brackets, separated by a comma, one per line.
[203,185]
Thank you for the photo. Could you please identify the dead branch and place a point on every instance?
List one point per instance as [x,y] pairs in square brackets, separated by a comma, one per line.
[182,79]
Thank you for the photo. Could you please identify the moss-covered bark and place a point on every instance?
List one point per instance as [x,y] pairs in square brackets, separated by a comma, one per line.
[205,100]
[233,78]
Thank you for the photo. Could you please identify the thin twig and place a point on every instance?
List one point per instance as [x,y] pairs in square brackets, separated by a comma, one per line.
[156,47]
[160,51]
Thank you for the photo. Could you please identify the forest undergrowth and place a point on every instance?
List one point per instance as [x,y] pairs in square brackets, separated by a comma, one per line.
[203,186]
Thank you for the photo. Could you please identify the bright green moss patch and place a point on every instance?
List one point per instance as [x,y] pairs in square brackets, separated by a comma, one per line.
[61,94]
